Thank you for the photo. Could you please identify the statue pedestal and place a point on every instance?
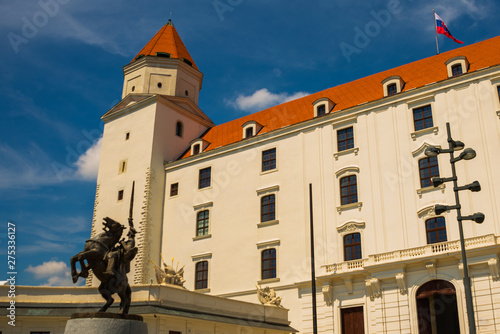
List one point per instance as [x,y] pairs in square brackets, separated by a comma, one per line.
[105,323]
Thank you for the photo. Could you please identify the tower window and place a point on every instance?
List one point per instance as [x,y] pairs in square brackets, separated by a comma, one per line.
[187,93]
[123,166]
[202,223]
[174,189]
[159,84]
[348,190]
[178,129]
[268,208]
[120,195]
[127,136]
[133,88]
[204,179]
[269,159]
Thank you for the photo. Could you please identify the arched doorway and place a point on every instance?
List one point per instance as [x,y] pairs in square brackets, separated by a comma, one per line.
[437,308]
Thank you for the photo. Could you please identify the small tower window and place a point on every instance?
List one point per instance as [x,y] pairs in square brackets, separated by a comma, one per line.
[133,88]
[178,129]
[159,84]
[120,195]
[187,93]
[127,136]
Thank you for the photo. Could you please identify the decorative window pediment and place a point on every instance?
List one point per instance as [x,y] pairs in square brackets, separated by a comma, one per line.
[351,227]
[323,106]
[456,66]
[393,85]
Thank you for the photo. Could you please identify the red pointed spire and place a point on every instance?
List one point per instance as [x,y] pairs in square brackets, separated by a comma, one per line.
[167,40]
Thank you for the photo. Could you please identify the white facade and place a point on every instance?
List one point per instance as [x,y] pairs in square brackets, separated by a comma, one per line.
[390,212]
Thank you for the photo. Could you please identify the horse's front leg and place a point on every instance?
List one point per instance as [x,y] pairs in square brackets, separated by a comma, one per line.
[80,257]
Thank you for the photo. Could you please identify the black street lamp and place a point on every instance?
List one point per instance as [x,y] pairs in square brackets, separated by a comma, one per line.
[467,154]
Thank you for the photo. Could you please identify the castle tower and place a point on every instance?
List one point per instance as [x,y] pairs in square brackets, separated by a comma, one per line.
[154,122]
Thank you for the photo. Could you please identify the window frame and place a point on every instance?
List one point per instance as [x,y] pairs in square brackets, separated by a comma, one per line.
[201,179]
[424,118]
[352,246]
[348,186]
[174,187]
[206,223]
[270,269]
[429,168]
[270,160]
[346,140]
[204,274]
[270,214]
[436,230]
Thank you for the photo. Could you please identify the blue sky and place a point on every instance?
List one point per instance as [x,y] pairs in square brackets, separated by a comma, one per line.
[61,70]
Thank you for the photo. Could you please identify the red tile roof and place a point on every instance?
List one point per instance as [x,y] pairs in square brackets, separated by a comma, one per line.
[167,40]
[416,74]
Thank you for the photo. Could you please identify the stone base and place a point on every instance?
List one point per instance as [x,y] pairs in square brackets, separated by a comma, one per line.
[105,323]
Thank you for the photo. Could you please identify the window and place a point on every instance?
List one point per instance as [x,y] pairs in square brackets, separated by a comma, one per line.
[321,110]
[178,129]
[269,160]
[352,247]
[123,166]
[345,139]
[428,168]
[196,149]
[456,70]
[249,132]
[204,180]
[127,136]
[392,89]
[348,190]
[268,208]
[174,189]
[422,117]
[120,195]
[201,276]
[269,263]
[436,230]
[498,91]
[202,221]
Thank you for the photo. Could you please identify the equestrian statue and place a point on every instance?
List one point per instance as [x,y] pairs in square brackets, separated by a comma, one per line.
[109,256]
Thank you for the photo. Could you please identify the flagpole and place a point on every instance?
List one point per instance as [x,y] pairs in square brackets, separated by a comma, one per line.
[435,29]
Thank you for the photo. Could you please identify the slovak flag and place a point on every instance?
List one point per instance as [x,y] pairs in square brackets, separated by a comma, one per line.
[442,29]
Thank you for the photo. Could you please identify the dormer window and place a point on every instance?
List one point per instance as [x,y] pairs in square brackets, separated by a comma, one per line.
[392,89]
[198,145]
[323,106]
[393,85]
[196,149]
[320,110]
[456,70]
[457,66]
[250,129]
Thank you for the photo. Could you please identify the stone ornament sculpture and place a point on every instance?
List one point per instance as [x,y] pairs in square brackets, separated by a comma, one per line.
[109,257]
[169,275]
[267,296]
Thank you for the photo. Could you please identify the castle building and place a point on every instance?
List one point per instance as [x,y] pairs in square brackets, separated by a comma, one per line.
[231,201]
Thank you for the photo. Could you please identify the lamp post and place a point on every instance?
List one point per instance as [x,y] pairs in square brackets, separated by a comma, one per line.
[466,154]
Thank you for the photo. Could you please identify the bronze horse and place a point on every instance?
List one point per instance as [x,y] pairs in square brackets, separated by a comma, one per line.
[109,258]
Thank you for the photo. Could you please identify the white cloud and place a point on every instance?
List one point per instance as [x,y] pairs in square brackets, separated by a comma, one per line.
[88,163]
[57,273]
[262,99]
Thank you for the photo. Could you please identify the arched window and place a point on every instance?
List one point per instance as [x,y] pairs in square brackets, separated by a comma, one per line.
[435,229]
[348,190]
[437,309]
[202,223]
[269,263]
[428,168]
[178,129]
[352,247]
[201,276]
[268,208]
